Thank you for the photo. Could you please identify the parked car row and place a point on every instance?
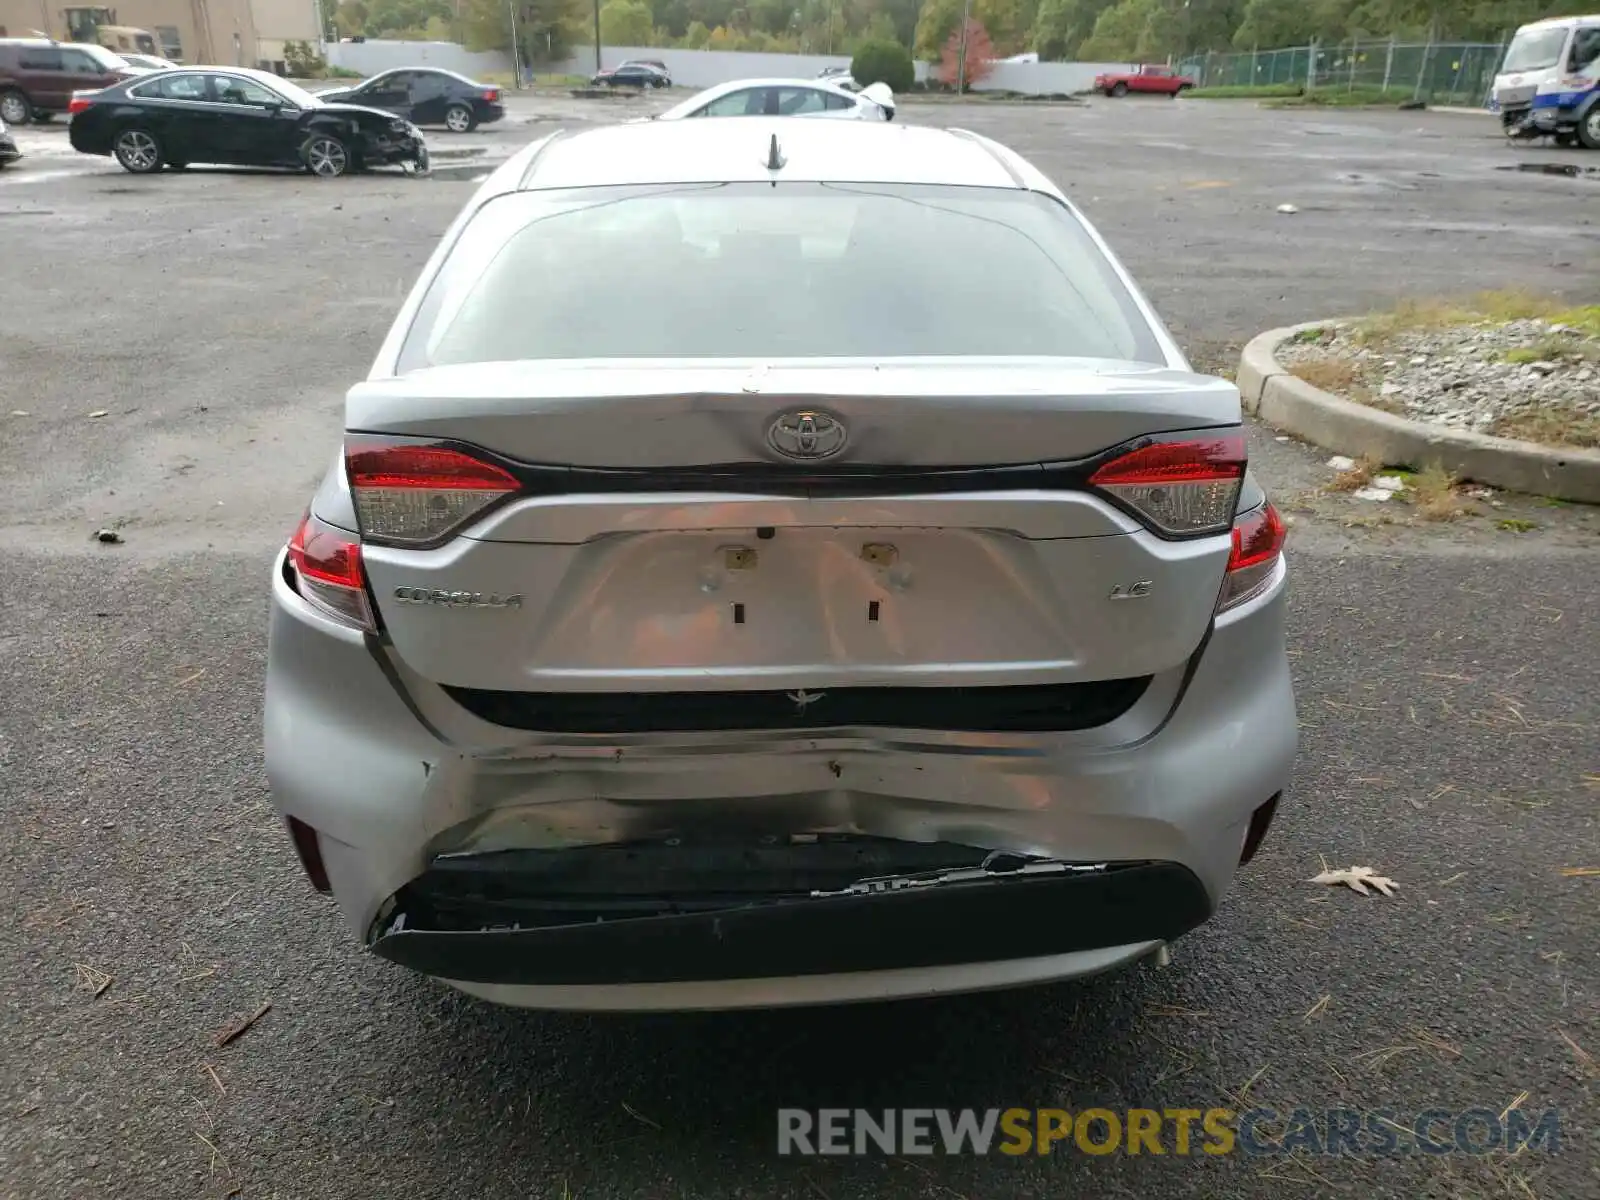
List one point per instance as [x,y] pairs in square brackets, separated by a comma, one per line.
[239,117]
[787,98]
[38,76]
[425,96]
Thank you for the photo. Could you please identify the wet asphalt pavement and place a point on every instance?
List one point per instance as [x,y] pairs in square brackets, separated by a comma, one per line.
[1446,689]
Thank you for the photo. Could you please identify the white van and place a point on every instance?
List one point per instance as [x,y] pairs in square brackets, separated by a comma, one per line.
[1542,53]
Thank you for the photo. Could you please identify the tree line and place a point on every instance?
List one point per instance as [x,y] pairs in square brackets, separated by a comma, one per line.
[1058,30]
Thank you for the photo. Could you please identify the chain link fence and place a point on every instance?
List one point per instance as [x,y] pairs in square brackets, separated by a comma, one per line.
[1436,72]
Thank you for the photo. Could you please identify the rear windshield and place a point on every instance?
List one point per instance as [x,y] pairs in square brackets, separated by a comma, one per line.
[1535,49]
[753,270]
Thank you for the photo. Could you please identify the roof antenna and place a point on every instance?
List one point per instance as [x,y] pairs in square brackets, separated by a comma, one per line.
[775,160]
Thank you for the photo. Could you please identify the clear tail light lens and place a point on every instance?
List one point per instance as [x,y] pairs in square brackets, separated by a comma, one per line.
[416,494]
[1258,538]
[1180,485]
[327,563]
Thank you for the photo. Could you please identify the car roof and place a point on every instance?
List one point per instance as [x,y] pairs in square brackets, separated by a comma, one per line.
[38,42]
[735,85]
[736,149]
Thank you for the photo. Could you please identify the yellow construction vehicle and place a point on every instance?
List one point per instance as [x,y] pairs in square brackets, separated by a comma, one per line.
[98,27]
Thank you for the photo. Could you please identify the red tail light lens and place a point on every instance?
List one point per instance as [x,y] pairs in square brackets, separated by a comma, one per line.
[491,95]
[1180,485]
[415,494]
[327,562]
[1258,539]
[79,102]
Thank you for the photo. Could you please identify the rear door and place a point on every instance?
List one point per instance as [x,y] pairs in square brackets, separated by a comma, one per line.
[391,92]
[187,122]
[430,94]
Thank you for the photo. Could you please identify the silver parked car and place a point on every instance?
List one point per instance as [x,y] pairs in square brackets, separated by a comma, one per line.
[829,632]
[787,98]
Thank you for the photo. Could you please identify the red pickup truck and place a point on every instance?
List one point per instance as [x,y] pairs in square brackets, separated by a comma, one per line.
[1162,81]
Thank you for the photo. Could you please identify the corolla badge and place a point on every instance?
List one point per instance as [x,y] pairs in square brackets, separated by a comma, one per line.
[448,599]
[807,434]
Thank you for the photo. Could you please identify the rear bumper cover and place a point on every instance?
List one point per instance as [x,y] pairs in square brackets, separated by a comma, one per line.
[996,919]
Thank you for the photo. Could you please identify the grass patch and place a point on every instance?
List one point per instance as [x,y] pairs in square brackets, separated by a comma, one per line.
[1551,427]
[1558,347]
[1516,525]
[1585,319]
[1484,308]
[1337,375]
[1334,96]
[1433,491]
[508,82]
[1245,91]
[1294,95]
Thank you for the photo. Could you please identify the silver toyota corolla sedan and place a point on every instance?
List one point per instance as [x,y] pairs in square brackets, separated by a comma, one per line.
[777,562]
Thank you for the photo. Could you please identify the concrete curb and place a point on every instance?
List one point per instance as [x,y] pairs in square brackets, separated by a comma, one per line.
[1269,392]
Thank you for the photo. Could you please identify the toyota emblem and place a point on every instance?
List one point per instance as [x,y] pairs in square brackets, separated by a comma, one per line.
[806,434]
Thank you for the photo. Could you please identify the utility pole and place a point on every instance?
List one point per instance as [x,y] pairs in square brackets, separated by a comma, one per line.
[961,57]
[597,67]
[516,46]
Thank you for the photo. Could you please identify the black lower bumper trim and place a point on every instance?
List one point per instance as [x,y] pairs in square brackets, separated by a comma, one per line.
[995,709]
[447,927]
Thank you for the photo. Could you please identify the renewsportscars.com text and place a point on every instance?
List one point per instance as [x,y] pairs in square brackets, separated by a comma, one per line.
[1171,1131]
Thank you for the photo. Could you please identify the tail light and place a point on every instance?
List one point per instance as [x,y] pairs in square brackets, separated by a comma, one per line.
[1258,538]
[416,494]
[491,95]
[1179,485]
[80,101]
[327,564]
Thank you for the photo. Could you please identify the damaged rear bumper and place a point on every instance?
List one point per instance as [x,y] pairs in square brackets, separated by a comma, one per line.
[473,851]
[669,914]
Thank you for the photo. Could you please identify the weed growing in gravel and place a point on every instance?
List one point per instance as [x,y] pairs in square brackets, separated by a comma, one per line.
[1516,525]
[1433,491]
[1555,348]
[1552,426]
[1488,308]
[1337,375]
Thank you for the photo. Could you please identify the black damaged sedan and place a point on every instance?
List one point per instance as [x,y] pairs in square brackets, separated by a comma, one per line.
[235,116]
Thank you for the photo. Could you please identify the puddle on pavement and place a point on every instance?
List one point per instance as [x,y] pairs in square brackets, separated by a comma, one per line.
[1565,170]
[469,172]
[1377,181]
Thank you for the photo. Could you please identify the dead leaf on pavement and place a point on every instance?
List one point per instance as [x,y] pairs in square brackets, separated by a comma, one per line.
[95,980]
[1357,879]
